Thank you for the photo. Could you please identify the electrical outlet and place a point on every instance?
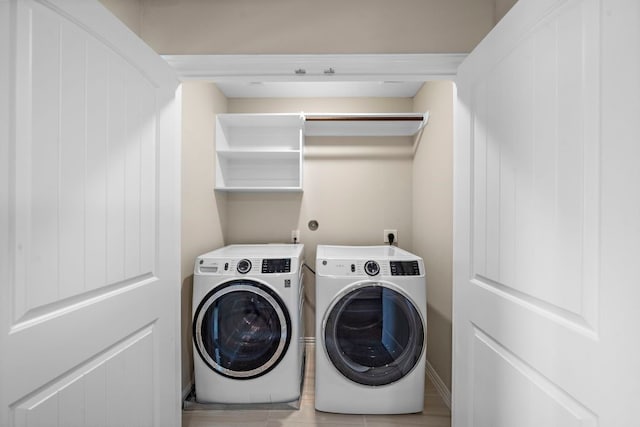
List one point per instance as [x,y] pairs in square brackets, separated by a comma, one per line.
[295,236]
[385,237]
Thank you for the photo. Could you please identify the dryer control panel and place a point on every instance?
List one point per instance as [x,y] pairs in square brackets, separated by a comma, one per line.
[368,268]
[281,265]
[405,268]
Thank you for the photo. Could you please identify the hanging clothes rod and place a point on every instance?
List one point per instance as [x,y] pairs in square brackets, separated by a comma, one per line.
[364,118]
[365,124]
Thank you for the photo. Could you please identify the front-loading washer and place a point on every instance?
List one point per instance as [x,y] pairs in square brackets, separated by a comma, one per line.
[248,335]
[370,330]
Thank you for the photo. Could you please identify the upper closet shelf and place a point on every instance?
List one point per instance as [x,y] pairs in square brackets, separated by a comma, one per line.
[386,124]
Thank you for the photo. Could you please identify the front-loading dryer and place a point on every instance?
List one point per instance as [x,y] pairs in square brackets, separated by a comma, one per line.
[248,336]
[370,330]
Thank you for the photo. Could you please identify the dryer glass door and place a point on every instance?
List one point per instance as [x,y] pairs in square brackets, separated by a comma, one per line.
[242,329]
[374,335]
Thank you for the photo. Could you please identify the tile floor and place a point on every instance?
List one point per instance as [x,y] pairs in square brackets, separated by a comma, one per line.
[435,414]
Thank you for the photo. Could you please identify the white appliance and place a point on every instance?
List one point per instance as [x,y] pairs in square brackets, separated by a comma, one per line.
[248,336]
[370,330]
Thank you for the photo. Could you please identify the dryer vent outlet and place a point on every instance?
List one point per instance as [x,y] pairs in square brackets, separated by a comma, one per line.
[393,234]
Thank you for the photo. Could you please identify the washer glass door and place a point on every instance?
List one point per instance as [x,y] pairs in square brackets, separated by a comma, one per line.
[374,335]
[242,329]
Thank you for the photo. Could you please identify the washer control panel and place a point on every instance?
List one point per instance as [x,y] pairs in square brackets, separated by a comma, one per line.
[246,266]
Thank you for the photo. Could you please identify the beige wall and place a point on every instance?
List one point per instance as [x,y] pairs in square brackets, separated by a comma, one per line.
[432,218]
[203,210]
[128,11]
[310,26]
[353,194]
[502,7]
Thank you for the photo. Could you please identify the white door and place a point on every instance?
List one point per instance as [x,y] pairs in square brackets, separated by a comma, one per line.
[547,219]
[89,221]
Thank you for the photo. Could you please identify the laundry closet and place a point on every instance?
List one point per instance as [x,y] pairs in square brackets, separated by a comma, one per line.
[355,190]
[354,187]
[95,125]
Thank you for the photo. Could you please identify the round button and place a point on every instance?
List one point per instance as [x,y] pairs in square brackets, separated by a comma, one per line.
[244,265]
[371,268]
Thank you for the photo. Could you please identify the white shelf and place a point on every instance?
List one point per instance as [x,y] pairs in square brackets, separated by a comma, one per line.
[264,152]
[387,124]
[266,155]
[259,152]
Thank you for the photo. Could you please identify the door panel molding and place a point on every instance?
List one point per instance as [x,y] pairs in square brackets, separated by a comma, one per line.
[528,224]
[536,176]
[90,191]
[540,307]
[79,302]
[536,398]
[124,358]
[80,224]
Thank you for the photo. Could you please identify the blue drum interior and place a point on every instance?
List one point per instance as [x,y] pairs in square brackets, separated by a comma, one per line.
[242,329]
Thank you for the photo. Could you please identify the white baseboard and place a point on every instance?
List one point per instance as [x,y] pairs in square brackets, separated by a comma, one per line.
[440,386]
[309,340]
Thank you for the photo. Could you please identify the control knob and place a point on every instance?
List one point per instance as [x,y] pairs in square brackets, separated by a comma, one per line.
[244,265]
[371,268]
